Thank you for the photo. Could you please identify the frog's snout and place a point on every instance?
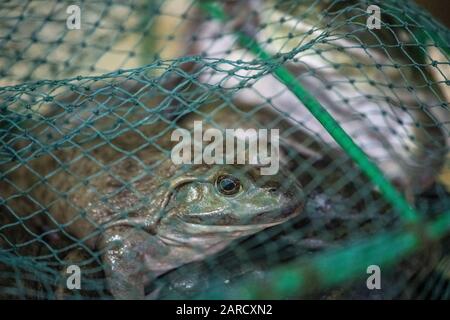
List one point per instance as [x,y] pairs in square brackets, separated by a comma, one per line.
[281,214]
[291,201]
[272,187]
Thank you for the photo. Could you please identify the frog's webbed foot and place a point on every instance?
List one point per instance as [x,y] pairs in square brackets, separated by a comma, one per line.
[124,258]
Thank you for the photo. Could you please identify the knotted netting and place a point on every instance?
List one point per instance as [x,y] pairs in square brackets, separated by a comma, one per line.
[354,119]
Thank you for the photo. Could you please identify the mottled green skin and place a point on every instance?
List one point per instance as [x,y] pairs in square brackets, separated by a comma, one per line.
[189,219]
[143,213]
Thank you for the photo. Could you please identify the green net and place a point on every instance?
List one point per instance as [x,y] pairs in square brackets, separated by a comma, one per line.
[223,149]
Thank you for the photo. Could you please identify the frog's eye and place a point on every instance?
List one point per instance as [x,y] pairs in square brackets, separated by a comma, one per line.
[228,185]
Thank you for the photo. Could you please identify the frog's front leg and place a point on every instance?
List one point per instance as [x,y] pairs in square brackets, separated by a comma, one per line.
[127,254]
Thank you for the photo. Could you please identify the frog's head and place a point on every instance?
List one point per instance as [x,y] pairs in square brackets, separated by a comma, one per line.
[231,200]
[212,203]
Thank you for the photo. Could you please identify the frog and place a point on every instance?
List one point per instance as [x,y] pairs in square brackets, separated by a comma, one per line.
[129,202]
[194,214]
[148,216]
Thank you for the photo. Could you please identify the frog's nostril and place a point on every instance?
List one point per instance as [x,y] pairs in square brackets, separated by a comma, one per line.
[272,186]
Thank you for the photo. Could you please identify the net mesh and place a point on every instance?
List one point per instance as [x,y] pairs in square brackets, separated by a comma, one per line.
[88,178]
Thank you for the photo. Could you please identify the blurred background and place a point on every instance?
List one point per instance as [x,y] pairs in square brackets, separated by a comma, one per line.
[439,8]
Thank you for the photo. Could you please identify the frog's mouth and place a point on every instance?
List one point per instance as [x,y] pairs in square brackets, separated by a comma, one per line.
[212,222]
